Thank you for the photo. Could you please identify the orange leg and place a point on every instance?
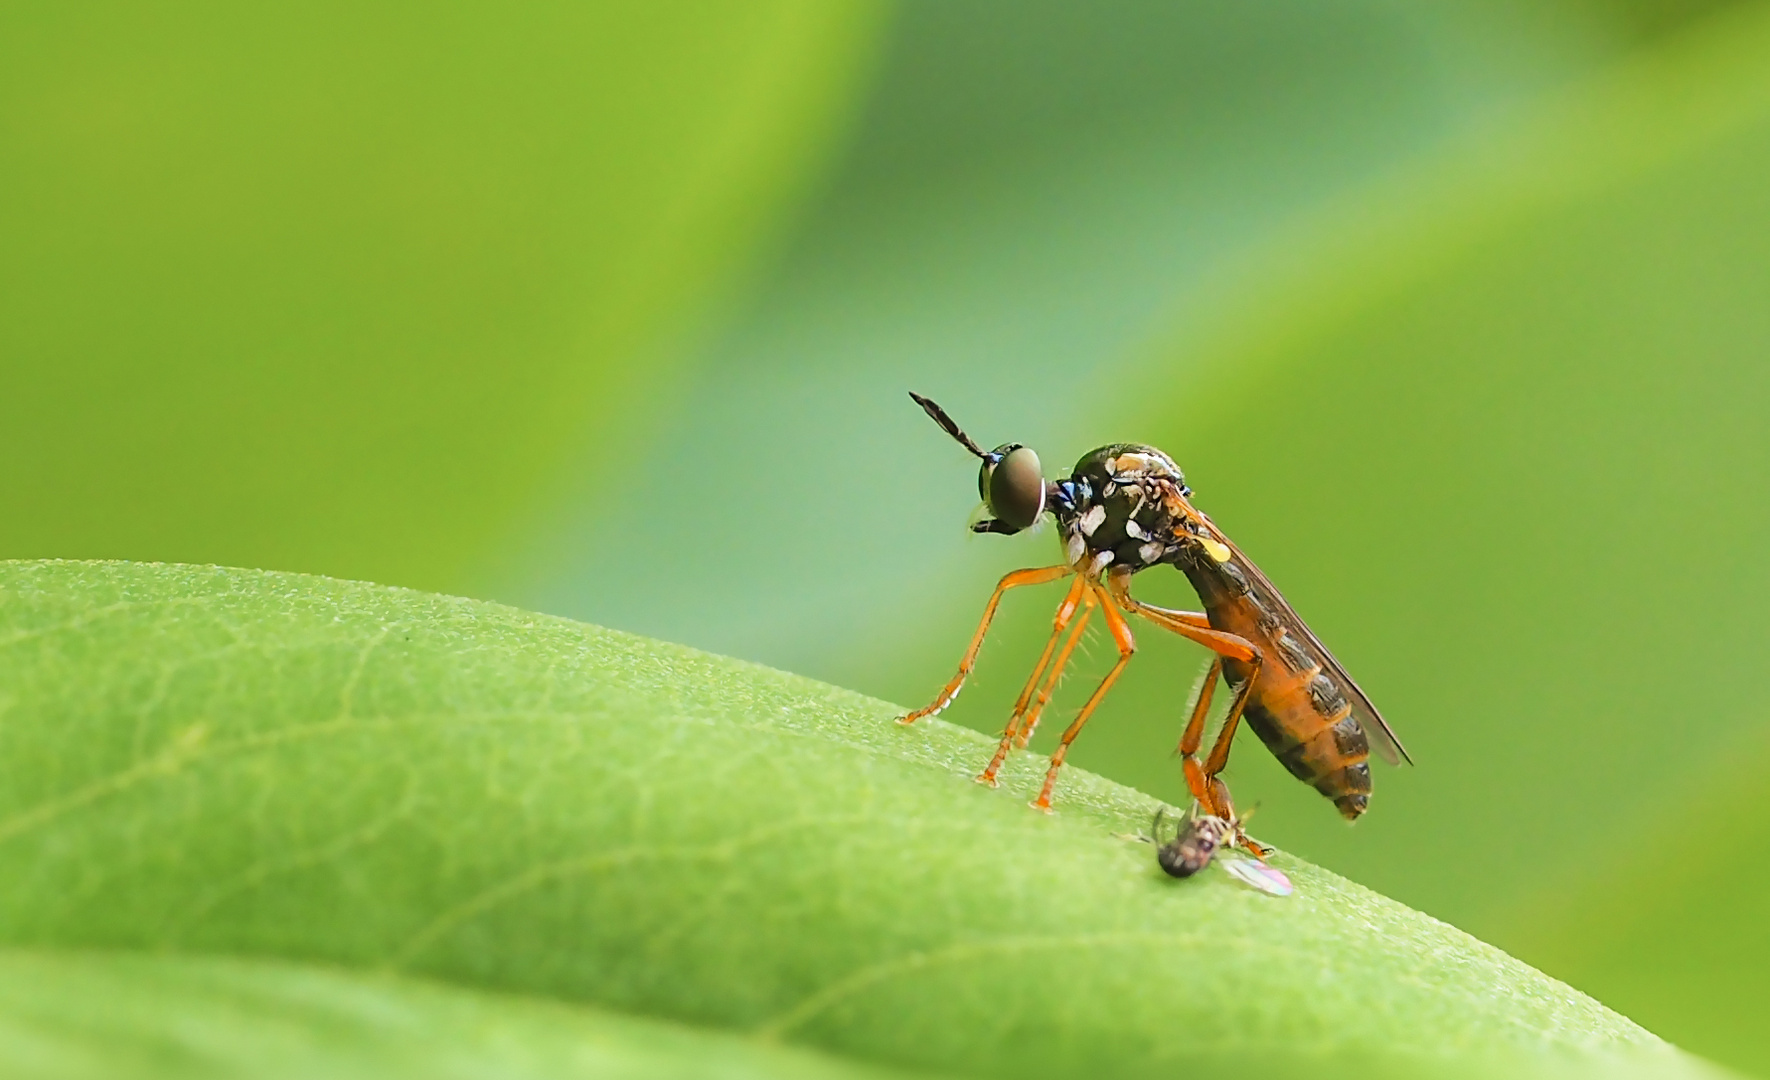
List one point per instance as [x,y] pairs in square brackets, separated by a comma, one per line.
[1188,624]
[1205,778]
[1195,725]
[1065,611]
[1212,793]
[1121,635]
[1015,727]
[1031,723]
[1013,580]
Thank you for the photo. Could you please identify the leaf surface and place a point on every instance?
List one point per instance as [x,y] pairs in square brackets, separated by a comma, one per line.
[68,1015]
[204,760]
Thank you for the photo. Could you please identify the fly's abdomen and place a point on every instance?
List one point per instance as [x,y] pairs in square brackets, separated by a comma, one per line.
[1331,757]
[1298,711]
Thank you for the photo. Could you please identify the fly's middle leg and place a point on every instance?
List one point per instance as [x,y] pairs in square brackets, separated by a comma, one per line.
[1020,727]
[1031,721]
[1121,635]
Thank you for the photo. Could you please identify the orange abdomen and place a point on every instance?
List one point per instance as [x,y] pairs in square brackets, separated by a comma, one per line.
[1296,708]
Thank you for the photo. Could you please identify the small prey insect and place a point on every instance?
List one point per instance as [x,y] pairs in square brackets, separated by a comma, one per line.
[1126,508]
[1202,837]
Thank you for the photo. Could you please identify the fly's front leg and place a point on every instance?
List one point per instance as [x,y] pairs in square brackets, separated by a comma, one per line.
[1014,580]
[1121,635]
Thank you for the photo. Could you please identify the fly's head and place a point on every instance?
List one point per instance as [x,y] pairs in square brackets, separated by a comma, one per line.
[1010,481]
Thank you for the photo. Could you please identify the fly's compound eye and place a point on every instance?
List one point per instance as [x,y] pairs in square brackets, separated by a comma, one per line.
[1013,486]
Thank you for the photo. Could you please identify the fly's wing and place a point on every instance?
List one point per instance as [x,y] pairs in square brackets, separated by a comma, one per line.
[1381,738]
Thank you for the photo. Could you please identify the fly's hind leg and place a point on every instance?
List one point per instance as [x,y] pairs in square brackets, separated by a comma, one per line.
[1202,779]
[1206,786]
[1014,580]
[1194,735]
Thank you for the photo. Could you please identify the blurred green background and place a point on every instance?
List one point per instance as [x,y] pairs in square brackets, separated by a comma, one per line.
[1457,315]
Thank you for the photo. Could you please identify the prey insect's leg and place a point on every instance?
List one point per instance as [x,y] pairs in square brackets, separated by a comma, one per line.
[1065,611]
[1010,581]
[1121,635]
[988,776]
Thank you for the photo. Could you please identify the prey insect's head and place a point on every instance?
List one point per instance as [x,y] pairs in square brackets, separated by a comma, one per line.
[1194,844]
[1010,481]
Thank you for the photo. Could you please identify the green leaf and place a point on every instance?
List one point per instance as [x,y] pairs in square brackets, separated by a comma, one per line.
[72,1015]
[205,760]
[336,288]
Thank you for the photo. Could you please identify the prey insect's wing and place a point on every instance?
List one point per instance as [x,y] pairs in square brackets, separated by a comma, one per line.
[1382,739]
[1255,874]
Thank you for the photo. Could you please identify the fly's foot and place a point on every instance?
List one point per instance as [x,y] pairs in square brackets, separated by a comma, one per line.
[986,778]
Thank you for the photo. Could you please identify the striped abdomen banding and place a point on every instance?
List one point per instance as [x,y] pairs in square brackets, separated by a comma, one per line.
[1296,709]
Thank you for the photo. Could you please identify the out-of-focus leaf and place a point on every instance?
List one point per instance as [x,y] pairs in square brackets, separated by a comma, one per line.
[1029,188]
[124,1016]
[292,767]
[334,287]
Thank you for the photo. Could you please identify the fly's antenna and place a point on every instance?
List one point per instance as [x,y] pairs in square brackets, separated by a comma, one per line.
[939,416]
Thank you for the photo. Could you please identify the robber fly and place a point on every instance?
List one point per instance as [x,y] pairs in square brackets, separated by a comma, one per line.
[1126,508]
[1202,837]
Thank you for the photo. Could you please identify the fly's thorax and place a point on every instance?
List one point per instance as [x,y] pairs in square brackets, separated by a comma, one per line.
[1218,581]
[1119,509]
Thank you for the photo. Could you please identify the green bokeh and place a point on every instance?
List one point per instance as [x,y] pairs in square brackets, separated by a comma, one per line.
[1454,315]
[335,288]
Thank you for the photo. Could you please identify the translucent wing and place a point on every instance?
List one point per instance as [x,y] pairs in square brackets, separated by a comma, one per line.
[1381,738]
[1255,874]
